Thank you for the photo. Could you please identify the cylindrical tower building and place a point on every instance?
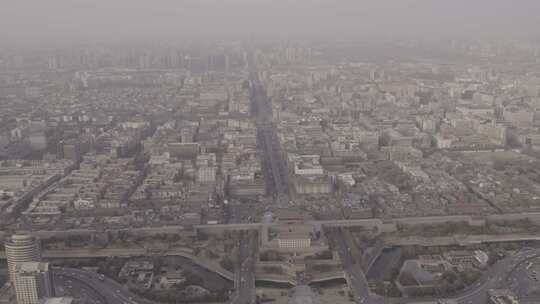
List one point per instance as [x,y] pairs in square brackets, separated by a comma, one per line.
[21,248]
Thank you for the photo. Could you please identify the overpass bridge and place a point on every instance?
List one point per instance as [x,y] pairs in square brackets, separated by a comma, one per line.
[384,225]
[327,277]
[373,255]
[135,252]
[228,227]
[461,240]
[280,279]
[90,231]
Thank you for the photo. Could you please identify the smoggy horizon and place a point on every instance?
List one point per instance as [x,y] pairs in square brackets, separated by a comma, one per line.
[68,21]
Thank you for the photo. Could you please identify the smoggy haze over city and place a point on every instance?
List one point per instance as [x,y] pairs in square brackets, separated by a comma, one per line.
[269,151]
[68,21]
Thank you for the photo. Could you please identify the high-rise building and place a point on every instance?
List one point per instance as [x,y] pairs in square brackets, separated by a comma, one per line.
[69,149]
[32,282]
[21,248]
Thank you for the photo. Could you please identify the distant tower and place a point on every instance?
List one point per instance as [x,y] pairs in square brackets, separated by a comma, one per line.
[227,64]
[21,248]
[70,149]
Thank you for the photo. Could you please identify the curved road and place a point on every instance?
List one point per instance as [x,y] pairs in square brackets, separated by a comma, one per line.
[110,291]
[494,277]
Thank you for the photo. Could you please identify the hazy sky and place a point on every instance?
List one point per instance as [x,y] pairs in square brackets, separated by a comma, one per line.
[42,21]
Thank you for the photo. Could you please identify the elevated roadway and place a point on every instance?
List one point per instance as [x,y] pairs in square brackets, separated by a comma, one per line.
[134,252]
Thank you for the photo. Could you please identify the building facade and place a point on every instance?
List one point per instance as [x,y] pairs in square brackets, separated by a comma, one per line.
[21,248]
[32,282]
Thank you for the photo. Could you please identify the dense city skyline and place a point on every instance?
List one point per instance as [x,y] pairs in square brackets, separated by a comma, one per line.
[269,151]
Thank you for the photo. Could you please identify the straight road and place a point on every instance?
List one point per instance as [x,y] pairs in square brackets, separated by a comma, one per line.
[357,279]
[246,269]
[268,141]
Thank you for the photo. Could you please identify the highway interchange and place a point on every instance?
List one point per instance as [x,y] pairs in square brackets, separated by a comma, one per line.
[524,280]
[495,277]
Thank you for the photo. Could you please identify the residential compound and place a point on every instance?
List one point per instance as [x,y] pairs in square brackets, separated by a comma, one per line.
[170,138]
[406,139]
[129,147]
[22,180]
